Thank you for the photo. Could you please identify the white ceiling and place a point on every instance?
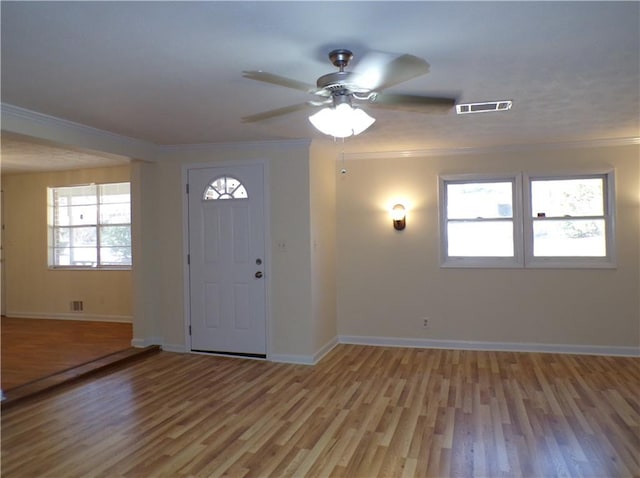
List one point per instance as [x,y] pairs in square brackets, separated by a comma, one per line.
[171,72]
[21,154]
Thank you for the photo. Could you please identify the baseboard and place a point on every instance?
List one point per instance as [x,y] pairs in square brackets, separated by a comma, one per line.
[490,346]
[291,358]
[326,348]
[305,359]
[180,349]
[72,316]
[146,342]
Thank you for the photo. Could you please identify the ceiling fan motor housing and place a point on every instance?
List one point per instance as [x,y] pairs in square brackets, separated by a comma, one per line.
[334,81]
[340,82]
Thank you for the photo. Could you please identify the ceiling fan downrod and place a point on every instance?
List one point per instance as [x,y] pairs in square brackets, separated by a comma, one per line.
[340,58]
[336,81]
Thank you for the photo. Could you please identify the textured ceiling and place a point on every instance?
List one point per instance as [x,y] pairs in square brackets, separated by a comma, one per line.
[171,72]
[24,155]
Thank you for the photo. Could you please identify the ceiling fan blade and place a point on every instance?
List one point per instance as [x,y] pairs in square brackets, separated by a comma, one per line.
[415,103]
[378,71]
[279,80]
[276,112]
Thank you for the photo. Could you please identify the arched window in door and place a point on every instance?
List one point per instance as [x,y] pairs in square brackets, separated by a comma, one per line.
[225,187]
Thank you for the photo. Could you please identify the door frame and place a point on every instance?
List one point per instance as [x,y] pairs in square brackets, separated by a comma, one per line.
[185,241]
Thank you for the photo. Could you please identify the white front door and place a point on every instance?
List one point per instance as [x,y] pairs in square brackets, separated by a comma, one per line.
[227,262]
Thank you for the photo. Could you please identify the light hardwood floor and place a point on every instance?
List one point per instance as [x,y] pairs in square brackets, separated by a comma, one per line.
[361,412]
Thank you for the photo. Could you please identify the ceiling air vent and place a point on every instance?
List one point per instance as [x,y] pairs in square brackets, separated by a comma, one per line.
[485,107]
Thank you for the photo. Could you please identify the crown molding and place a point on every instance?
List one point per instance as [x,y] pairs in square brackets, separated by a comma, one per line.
[421,153]
[31,123]
[233,146]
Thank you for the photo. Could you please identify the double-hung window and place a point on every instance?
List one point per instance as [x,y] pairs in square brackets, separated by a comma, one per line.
[527,221]
[90,226]
[480,220]
[570,221]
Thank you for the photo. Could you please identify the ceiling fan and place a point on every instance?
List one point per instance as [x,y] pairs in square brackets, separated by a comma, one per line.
[340,90]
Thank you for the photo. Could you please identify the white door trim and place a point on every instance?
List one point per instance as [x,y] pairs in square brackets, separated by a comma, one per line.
[185,241]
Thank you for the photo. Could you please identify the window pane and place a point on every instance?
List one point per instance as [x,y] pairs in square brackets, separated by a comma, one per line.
[225,187]
[83,236]
[240,192]
[115,236]
[115,213]
[479,200]
[570,238]
[75,215]
[75,195]
[480,239]
[115,193]
[62,256]
[115,256]
[83,256]
[211,194]
[62,237]
[567,197]
[231,184]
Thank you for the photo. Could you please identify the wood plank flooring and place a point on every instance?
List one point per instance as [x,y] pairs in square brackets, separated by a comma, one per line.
[361,412]
[88,370]
[36,348]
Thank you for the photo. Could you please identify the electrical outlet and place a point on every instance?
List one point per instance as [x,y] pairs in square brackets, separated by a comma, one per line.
[425,323]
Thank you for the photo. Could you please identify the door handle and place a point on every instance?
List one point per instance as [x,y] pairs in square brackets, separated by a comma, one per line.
[258,274]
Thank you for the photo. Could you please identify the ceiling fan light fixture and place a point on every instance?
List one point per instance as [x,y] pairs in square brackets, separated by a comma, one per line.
[341,121]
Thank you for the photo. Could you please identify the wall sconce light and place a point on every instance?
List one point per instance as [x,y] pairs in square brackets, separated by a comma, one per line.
[399,217]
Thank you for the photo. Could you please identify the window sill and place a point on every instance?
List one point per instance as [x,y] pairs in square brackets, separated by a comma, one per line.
[551,263]
[578,264]
[481,263]
[76,268]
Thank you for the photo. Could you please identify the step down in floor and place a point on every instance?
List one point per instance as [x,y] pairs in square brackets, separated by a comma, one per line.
[112,361]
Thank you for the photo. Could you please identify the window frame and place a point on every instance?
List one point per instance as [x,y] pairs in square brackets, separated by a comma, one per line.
[607,261]
[523,223]
[226,195]
[509,262]
[52,228]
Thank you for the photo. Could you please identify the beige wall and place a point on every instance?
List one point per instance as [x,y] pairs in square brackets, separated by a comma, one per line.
[322,194]
[144,216]
[344,269]
[388,281]
[32,289]
[161,305]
